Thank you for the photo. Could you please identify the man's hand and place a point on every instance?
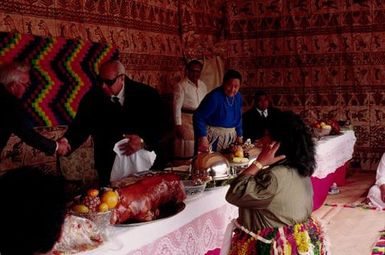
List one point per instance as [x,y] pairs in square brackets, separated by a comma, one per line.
[63,147]
[134,144]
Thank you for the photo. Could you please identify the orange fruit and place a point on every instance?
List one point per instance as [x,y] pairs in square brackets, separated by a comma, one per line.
[103,207]
[111,198]
[80,209]
[93,192]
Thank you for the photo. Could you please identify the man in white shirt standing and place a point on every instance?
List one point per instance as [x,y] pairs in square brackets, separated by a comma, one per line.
[188,94]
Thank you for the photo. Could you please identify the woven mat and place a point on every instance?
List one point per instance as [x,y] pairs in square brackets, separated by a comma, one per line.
[379,247]
[352,229]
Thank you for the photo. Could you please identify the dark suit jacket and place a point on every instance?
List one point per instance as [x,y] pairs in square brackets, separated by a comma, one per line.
[107,122]
[254,124]
[13,119]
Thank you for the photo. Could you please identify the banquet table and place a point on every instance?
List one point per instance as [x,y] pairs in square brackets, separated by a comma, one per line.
[196,230]
[199,228]
[332,156]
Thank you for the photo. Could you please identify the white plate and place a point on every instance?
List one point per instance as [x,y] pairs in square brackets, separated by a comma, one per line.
[240,163]
[182,168]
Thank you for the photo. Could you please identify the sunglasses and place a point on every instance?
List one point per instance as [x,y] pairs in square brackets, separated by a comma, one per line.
[109,82]
[24,84]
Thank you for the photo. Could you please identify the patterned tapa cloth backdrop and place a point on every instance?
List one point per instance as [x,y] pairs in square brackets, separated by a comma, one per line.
[318,58]
[61,72]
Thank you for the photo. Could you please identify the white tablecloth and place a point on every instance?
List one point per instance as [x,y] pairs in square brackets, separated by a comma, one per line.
[332,152]
[198,228]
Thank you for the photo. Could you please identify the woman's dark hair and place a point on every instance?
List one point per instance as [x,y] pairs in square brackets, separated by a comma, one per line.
[232,74]
[296,141]
[33,208]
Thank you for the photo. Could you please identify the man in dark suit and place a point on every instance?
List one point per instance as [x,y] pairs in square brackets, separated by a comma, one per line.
[115,108]
[255,119]
[14,80]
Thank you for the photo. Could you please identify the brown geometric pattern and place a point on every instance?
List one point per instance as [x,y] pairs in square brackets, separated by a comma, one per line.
[321,58]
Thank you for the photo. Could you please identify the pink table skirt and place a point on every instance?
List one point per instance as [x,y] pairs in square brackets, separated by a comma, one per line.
[201,236]
[321,186]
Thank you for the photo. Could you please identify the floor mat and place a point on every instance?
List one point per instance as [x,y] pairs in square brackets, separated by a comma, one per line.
[351,230]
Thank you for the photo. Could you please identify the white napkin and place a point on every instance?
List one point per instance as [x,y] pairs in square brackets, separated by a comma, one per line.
[141,160]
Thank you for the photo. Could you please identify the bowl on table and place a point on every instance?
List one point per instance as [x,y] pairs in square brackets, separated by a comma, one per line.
[101,219]
[192,189]
[319,132]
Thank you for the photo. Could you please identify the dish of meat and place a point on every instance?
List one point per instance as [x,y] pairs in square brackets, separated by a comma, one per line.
[152,197]
[165,211]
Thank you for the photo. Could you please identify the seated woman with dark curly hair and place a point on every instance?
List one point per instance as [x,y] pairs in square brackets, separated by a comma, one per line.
[275,196]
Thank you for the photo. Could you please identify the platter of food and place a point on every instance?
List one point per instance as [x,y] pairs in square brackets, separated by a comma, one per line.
[147,200]
[241,154]
[326,128]
[165,211]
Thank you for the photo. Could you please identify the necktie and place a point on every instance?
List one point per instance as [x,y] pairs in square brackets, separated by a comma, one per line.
[115,99]
[265,113]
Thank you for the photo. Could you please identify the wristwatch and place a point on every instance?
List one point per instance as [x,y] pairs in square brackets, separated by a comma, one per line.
[259,165]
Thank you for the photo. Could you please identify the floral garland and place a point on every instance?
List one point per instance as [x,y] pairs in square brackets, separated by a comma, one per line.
[379,247]
[302,239]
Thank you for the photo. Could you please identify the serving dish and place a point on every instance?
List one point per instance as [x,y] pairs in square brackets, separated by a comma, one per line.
[212,164]
[238,164]
[193,190]
[319,132]
[165,211]
[101,219]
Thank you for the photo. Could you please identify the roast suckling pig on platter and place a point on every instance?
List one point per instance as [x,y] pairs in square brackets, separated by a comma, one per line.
[141,200]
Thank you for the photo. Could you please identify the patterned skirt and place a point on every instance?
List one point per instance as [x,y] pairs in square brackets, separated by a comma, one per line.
[302,239]
[220,138]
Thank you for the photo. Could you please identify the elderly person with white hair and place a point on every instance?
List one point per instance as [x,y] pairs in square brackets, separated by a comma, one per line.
[14,80]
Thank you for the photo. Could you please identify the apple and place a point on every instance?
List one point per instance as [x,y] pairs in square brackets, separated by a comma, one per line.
[93,192]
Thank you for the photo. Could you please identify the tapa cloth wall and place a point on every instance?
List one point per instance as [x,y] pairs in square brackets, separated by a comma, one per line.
[322,58]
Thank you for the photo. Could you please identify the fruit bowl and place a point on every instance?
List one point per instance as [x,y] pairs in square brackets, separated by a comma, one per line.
[101,219]
[95,205]
[319,132]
